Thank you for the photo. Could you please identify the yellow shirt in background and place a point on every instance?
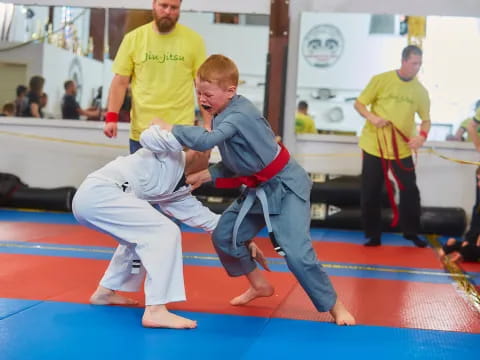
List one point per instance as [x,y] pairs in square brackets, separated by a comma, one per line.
[465,122]
[397,101]
[304,124]
[162,69]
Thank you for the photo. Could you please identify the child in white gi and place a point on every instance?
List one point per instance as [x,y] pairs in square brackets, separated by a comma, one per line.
[116,200]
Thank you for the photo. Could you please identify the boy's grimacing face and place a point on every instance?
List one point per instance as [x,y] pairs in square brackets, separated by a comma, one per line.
[211,97]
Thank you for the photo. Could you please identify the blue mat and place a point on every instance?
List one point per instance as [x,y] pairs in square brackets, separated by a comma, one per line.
[54,330]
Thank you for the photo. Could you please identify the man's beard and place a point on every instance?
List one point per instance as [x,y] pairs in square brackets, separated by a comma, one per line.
[165,24]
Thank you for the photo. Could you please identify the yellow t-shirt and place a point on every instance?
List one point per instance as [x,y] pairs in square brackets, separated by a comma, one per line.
[162,68]
[395,100]
[304,124]
[465,122]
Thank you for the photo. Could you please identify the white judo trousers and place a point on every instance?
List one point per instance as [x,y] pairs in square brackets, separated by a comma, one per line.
[117,200]
[143,233]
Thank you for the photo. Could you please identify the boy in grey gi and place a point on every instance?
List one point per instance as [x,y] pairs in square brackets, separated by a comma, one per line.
[251,156]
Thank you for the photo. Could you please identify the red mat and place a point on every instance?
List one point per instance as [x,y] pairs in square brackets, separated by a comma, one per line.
[372,301]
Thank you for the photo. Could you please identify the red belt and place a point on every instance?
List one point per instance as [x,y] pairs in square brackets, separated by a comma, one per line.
[272,169]
[386,165]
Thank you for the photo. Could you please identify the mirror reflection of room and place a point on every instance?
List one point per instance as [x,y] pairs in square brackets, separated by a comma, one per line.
[70,48]
[339,53]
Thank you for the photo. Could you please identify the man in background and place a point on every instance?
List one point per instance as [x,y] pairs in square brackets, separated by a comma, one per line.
[160,60]
[462,130]
[304,123]
[70,107]
[21,101]
[389,104]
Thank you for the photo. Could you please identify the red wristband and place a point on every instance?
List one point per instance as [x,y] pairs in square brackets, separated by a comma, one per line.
[424,134]
[111,116]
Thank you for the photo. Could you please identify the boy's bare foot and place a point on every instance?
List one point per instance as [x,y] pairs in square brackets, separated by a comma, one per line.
[158,316]
[341,315]
[104,296]
[259,287]
[252,294]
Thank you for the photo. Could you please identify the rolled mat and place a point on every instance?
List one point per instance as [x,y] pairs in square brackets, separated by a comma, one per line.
[58,199]
[340,191]
[446,221]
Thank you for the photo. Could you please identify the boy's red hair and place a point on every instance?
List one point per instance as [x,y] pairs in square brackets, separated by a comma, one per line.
[220,70]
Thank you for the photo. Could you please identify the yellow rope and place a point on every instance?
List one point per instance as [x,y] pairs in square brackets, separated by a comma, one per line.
[458,161]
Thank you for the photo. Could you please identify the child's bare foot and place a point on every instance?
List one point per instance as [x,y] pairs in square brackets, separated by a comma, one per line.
[451,241]
[252,294]
[455,256]
[441,252]
[104,296]
[158,316]
[341,315]
[259,287]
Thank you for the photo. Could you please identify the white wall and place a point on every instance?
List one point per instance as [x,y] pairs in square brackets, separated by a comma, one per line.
[29,55]
[247,45]
[452,52]
[363,54]
[235,41]
[52,153]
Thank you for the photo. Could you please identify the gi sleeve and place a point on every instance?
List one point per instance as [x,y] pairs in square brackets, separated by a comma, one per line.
[191,212]
[159,141]
[200,139]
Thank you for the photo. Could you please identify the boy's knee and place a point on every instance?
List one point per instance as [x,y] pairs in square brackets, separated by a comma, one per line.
[221,240]
[221,234]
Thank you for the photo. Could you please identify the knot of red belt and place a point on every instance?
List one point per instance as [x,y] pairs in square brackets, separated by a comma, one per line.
[252,181]
[387,165]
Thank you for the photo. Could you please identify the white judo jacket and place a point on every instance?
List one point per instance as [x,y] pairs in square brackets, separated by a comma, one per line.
[152,174]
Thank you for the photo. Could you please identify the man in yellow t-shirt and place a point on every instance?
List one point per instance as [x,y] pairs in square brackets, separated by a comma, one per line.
[463,129]
[304,123]
[160,59]
[389,104]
